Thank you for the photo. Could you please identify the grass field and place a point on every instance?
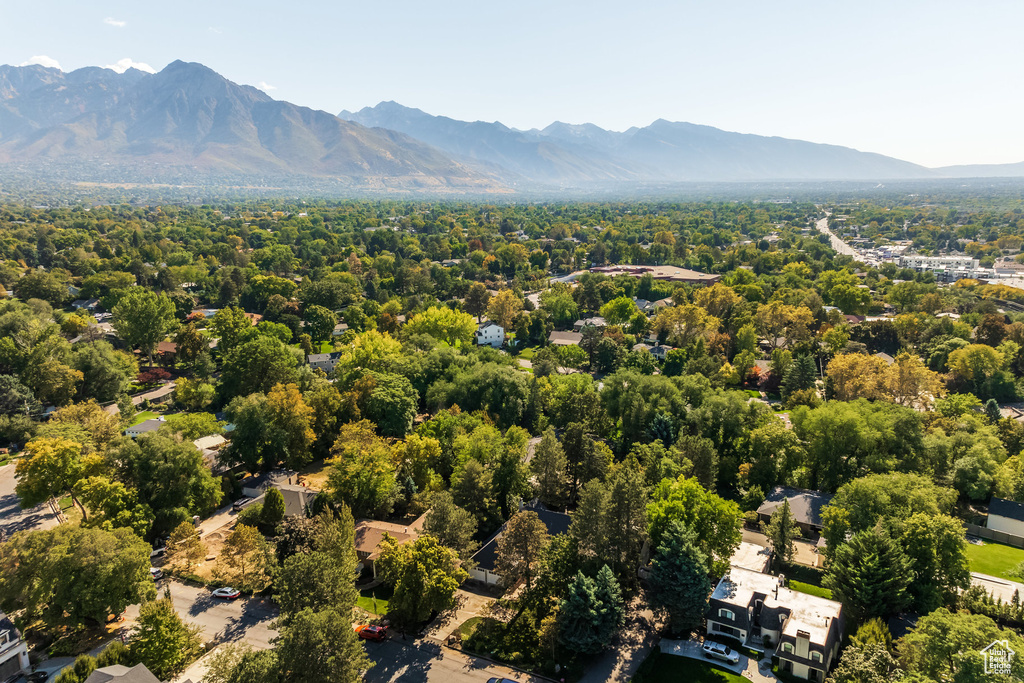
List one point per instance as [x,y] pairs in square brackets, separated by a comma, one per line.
[994,559]
[527,353]
[811,589]
[663,668]
[143,416]
[467,627]
[366,600]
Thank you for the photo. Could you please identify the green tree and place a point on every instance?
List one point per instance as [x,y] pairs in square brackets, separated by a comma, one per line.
[424,575]
[549,466]
[314,581]
[715,521]
[185,545]
[452,526]
[618,311]
[50,467]
[106,373]
[320,322]
[520,546]
[589,616]
[477,300]
[16,398]
[162,641]
[937,551]
[273,509]
[248,557]
[946,646]
[865,664]
[870,575]
[321,646]
[444,324]
[143,318]
[112,505]
[40,284]
[782,531]
[257,365]
[291,421]
[232,327]
[72,575]
[679,578]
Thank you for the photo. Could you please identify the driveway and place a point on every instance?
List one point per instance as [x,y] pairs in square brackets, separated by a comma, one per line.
[12,517]
[747,667]
[636,640]
[470,605]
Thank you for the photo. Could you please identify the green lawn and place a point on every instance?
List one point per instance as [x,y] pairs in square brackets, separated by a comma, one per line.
[143,416]
[663,668]
[994,559]
[467,627]
[811,589]
[366,600]
[528,353]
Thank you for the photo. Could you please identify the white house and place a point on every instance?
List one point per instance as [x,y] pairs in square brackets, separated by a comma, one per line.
[1006,516]
[758,610]
[13,650]
[490,334]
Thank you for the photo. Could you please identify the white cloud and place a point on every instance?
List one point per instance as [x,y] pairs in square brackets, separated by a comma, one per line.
[123,65]
[111,21]
[265,87]
[42,60]
[215,30]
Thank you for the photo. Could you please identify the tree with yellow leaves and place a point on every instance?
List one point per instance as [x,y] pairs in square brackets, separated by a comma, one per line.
[504,308]
[288,413]
[782,325]
[909,382]
[855,375]
[683,325]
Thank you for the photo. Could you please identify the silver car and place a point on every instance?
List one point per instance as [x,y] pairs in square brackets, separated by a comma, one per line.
[721,652]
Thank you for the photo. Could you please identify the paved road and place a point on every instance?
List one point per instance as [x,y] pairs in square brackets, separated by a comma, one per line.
[396,660]
[246,618]
[837,244]
[12,517]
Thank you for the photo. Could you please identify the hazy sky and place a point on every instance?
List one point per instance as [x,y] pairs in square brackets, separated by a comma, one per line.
[932,82]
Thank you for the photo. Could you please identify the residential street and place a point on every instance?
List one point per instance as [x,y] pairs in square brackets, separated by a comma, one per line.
[245,618]
[12,517]
[409,662]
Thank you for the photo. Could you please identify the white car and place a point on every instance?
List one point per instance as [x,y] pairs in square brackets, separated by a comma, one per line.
[226,593]
[157,574]
[721,652]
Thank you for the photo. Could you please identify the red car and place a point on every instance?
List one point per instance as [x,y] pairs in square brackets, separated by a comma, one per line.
[371,632]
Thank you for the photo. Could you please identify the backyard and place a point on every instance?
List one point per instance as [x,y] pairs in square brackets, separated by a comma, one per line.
[143,416]
[994,559]
[374,600]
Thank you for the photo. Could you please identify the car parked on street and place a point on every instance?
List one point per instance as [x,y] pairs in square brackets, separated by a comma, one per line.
[372,632]
[157,574]
[227,593]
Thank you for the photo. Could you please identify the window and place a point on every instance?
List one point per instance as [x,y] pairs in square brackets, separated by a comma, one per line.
[815,656]
[787,647]
[726,614]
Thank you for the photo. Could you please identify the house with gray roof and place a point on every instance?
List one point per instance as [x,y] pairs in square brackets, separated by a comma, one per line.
[804,505]
[13,650]
[123,674]
[758,610]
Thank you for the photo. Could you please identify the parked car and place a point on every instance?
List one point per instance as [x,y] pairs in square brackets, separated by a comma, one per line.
[241,503]
[158,552]
[501,680]
[721,652]
[157,574]
[372,632]
[227,593]
[34,677]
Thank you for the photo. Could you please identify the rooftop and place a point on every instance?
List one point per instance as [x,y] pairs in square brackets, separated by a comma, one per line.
[804,505]
[806,612]
[1006,508]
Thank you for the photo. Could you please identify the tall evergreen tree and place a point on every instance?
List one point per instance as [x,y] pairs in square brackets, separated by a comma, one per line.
[679,578]
[549,466]
[782,531]
[800,374]
[588,617]
[870,576]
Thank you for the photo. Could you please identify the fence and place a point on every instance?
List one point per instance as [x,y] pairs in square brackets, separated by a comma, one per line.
[993,535]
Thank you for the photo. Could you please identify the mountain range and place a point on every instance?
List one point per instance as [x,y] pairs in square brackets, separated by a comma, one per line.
[189,121]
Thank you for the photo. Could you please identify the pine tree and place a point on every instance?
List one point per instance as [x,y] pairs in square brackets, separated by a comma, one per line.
[992,411]
[679,578]
[582,622]
[549,466]
[782,531]
[870,576]
[273,510]
[800,375]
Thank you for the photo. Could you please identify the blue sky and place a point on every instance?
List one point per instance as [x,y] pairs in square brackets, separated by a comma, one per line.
[931,82]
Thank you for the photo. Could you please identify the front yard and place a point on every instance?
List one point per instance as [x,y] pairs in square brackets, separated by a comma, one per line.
[665,668]
[994,559]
